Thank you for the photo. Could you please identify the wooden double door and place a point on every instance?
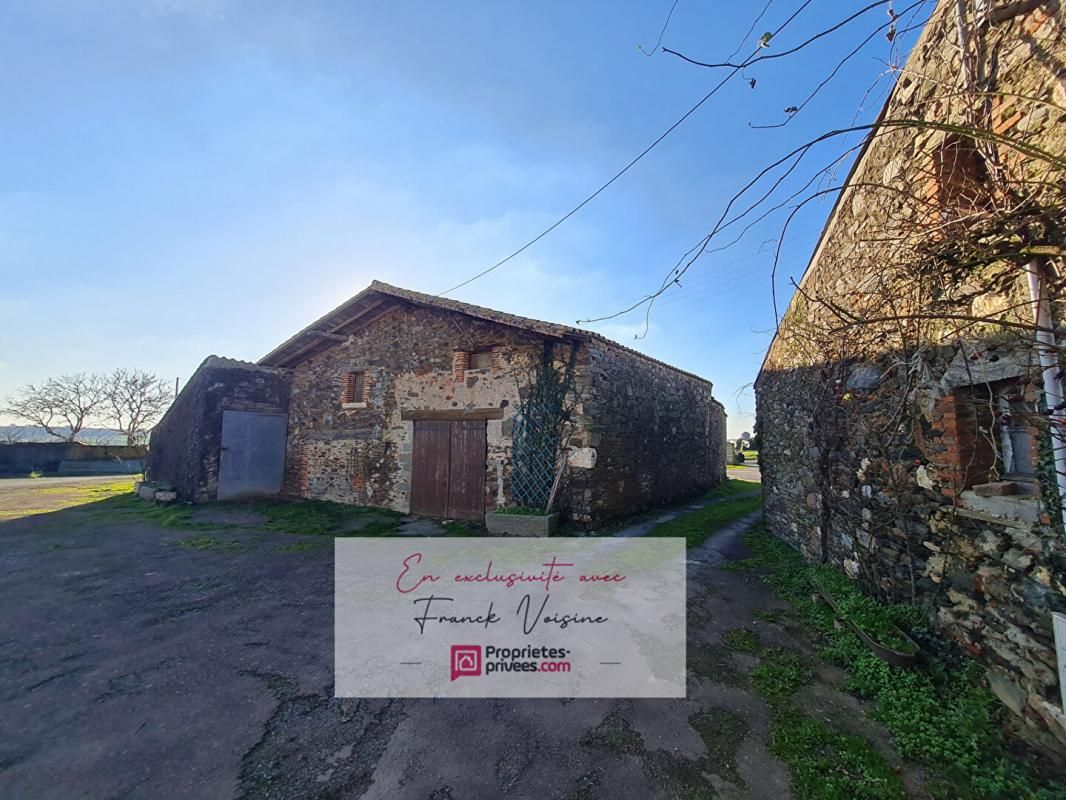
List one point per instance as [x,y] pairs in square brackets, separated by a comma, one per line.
[448,469]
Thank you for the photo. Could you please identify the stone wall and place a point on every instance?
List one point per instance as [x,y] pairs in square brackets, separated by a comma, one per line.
[413,359]
[658,435]
[184,448]
[873,440]
[642,433]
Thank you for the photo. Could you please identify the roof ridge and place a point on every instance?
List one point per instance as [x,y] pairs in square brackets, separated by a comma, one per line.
[543,327]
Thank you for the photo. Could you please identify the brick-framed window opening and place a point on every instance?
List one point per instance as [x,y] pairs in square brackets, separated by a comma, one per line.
[961,176]
[480,359]
[354,390]
[484,360]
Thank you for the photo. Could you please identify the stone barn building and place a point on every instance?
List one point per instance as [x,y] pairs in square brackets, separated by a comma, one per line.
[910,407]
[413,402]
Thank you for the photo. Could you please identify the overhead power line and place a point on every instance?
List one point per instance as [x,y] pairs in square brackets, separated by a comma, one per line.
[733,71]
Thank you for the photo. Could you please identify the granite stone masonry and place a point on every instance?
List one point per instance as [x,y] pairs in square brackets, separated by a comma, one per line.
[905,451]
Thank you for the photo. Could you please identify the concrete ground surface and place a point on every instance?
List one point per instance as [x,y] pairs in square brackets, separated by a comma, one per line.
[144,662]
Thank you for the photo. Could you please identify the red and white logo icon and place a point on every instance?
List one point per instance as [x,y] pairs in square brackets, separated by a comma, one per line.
[466,660]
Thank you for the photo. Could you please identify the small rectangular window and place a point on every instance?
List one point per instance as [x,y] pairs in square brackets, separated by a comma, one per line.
[481,360]
[354,384]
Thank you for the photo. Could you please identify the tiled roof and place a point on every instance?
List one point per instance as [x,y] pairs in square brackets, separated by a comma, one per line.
[232,363]
[348,316]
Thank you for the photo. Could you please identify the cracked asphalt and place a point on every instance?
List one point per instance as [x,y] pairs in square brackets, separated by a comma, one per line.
[134,667]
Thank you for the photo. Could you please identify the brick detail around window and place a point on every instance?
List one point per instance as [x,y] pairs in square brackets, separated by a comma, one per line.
[961,455]
[354,387]
[460,364]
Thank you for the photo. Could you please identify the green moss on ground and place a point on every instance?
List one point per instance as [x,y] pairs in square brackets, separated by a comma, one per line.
[715,663]
[723,733]
[614,735]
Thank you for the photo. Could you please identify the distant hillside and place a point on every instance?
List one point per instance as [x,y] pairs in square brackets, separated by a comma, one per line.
[10,434]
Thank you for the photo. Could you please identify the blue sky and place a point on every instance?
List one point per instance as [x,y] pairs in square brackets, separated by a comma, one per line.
[186,177]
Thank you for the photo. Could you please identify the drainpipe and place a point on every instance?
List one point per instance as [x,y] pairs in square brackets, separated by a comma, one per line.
[1046,349]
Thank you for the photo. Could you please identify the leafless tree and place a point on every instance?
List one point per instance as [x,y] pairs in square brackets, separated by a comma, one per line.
[61,406]
[135,400]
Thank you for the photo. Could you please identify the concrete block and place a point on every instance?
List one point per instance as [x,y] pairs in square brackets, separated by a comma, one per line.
[146,492]
[1014,507]
[165,496]
[521,524]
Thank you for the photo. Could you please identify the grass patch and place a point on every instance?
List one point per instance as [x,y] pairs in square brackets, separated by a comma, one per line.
[129,507]
[306,517]
[323,517]
[304,545]
[825,763]
[211,544]
[938,713]
[743,640]
[731,487]
[882,623]
[698,526]
[779,674]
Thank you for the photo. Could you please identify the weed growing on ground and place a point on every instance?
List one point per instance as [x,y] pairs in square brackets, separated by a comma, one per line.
[825,764]
[938,712]
[743,640]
